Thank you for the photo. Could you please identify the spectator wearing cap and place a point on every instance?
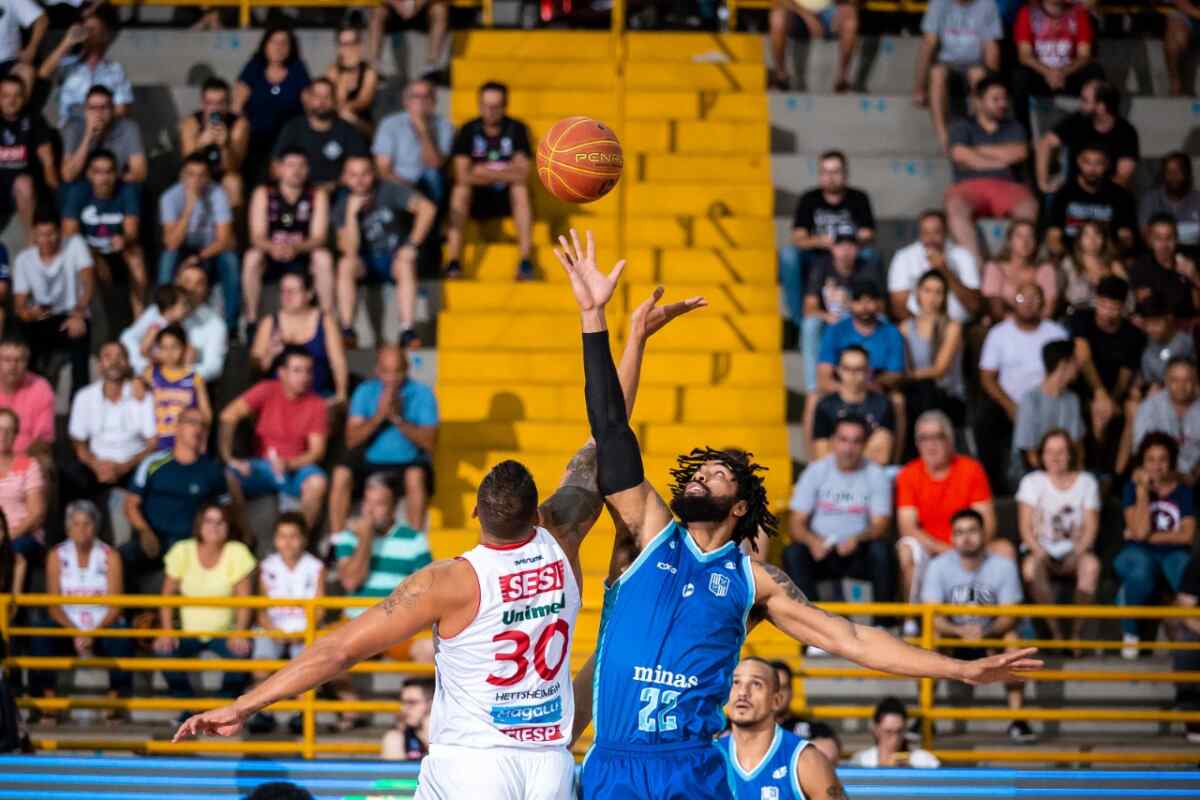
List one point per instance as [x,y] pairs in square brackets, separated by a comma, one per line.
[1007,371]
[1175,194]
[1098,121]
[1176,413]
[30,397]
[830,208]
[1051,405]
[934,251]
[853,398]
[1107,348]
[1165,271]
[987,151]
[1164,341]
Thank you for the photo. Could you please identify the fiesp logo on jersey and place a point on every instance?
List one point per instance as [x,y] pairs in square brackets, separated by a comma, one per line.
[532,582]
[541,733]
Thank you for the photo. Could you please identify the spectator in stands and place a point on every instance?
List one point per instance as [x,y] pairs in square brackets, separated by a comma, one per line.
[841,508]
[355,81]
[288,573]
[1089,262]
[822,213]
[81,70]
[929,490]
[27,162]
[212,563]
[289,225]
[409,740]
[784,716]
[13,567]
[107,212]
[822,19]
[1020,262]
[1176,413]
[174,383]
[219,135]
[1164,342]
[1054,49]
[822,736]
[1165,271]
[1090,196]
[30,397]
[395,16]
[53,282]
[197,228]
[167,492]
[111,429]
[987,151]
[268,92]
[83,566]
[392,428]
[321,135]
[1187,695]
[1178,37]
[889,727]
[97,128]
[868,329]
[1007,371]
[1098,123]
[1107,349]
[1160,528]
[291,428]
[933,251]
[827,297]
[299,322]
[22,492]
[1051,405]
[491,177]
[965,35]
[853,398]
[1175,194]
[19,16]
[1058,514]
[411,146]
[970,574]
[186,303]
[380,227]
[935,347]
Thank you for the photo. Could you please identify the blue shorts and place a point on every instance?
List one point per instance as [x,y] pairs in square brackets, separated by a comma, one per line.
[687,771]
[378,267]
[262,479]
[825,15]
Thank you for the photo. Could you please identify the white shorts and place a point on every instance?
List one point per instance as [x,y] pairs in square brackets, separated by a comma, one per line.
[269,649]
[921,558]
[450,772]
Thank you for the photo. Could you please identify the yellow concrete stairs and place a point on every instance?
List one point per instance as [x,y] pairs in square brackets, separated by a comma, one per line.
[698,207]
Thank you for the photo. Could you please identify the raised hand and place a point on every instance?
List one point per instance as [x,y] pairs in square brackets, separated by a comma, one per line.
[649,318]
[593,289]
[1002,667]
[224,721]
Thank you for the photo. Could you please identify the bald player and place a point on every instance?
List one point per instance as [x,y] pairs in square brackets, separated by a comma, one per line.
[764,759]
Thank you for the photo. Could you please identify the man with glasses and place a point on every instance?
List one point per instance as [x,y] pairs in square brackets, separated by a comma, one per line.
[411,146]
[853,397]
[99,128]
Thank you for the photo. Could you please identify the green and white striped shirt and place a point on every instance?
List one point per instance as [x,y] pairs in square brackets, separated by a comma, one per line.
[394,556]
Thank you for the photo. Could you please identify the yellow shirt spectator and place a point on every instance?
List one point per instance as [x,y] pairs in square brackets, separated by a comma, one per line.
[183,564]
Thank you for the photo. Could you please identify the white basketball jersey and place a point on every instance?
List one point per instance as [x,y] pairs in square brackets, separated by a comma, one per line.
[284,583]
[505,680]
[84,580]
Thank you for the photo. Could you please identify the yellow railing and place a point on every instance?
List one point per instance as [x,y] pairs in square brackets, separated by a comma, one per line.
[308,705]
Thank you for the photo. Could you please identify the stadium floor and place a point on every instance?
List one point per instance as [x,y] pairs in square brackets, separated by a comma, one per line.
[59,777]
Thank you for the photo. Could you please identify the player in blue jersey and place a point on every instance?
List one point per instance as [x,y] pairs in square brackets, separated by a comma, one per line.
[675,619]
[765,761]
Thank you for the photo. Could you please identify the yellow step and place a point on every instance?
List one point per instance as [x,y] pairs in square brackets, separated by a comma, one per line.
[700,199]
[548,207]
[672,75]
[521,436]
[533,296]
[550,104]
[504,230]
[762,440]
[698,104]
[687,46]
[557,369]
[710,137]
[723,299]
[527,46]
[656,168]
[717,265]
[696,232]
[592,76]
[493,264]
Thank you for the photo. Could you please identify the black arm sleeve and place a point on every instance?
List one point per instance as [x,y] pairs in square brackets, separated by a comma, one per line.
[618,455]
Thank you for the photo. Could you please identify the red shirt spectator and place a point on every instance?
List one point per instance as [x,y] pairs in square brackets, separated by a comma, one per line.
[936,500]
[284,423]
[1054,39]
[29,396]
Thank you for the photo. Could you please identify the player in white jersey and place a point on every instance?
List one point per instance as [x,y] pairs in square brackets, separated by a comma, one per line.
[503,615]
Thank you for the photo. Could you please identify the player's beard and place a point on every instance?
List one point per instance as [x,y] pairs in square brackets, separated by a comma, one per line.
[701,507]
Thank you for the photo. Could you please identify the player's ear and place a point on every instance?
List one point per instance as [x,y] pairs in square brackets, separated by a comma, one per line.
[740,508]
[475,512]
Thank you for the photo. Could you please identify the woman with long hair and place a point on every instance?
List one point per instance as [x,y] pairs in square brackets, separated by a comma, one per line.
[935,344]
[1019,262]
[1092,259]
[300,322]
[354,80]
[268,94]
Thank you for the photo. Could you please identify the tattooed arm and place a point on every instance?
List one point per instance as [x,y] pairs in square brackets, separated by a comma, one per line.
[817,777]
[444,591]
[779,601]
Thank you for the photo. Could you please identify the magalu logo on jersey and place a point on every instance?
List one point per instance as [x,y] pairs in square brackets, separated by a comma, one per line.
[515,615]
[549,711]
[769,793]
[718,584]
[532,582]
[780,773]
[541,733]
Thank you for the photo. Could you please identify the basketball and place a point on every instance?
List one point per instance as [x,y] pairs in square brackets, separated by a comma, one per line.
[579,160]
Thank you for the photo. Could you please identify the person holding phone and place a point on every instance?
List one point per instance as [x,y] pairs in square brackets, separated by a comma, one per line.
[220,135]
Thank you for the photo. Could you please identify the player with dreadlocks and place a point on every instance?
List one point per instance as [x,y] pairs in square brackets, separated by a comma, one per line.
[674,621]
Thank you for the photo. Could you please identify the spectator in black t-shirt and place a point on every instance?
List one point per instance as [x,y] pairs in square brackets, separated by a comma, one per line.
[26,155]
[1108,349]
[380,226]
[853,398]
[821,214]
[221,135]
[409,740]
[1098,123]
[1187,695]
[327,139]
[490,157]
[1091,196]
[1165,271]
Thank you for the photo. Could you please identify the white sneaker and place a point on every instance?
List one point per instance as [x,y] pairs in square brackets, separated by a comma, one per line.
[1130,650]
[911,629]
[815,652]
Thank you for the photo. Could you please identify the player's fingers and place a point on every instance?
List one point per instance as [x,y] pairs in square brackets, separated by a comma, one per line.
[578,247]
[185,730]
[565,253]
[591,246]
[1017,655]
[615,275]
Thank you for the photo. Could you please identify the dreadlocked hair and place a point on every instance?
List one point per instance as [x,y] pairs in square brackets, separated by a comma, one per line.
[749,488]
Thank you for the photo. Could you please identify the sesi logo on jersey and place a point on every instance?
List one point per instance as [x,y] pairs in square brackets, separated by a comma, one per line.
[532,582]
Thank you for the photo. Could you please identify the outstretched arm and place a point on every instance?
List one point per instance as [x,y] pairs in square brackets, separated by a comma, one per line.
[421,600]
[779,601]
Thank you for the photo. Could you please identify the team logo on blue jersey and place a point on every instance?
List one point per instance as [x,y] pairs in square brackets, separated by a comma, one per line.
[549,711]
[687,590]
[779,773]
[770,793]
[718,584]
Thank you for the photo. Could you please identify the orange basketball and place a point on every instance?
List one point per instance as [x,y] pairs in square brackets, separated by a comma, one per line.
[579,160]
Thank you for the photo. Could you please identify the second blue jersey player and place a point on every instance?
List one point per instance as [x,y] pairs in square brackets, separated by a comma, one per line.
[674,622]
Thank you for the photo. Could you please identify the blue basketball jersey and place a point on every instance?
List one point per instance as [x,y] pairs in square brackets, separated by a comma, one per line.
[670,636]
[775,777]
